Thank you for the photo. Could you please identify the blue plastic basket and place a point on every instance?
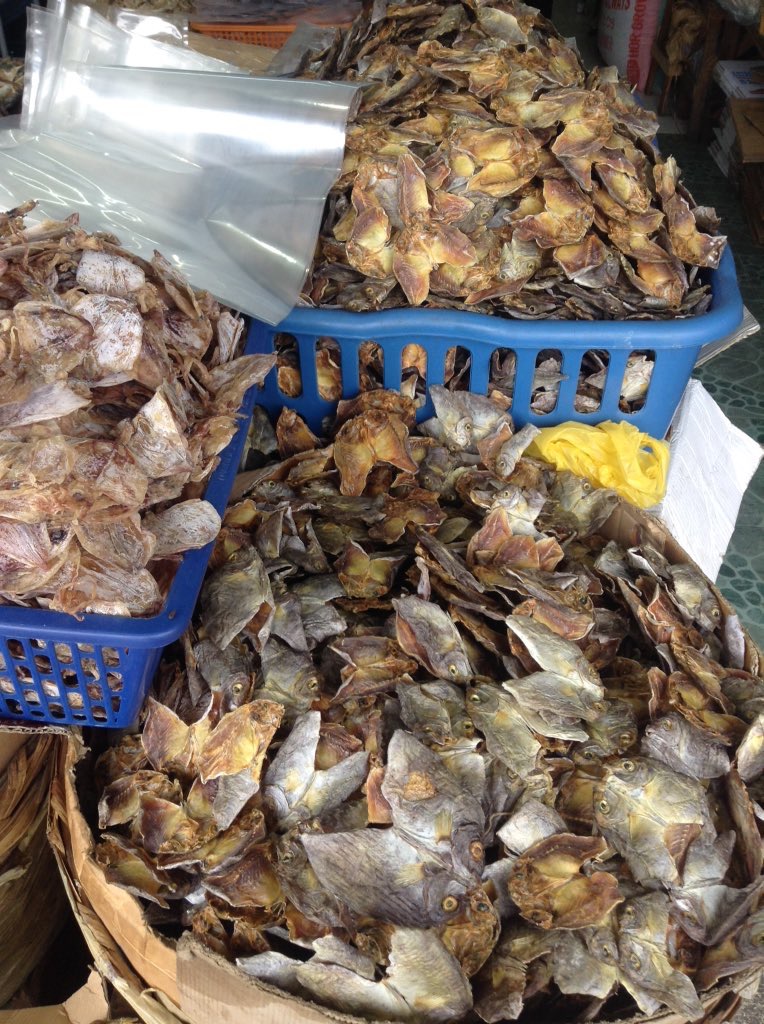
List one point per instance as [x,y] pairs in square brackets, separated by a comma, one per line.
[97,669]
[675,344]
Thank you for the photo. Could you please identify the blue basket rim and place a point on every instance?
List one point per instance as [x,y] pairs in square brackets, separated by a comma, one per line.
[724,316]
[168,624]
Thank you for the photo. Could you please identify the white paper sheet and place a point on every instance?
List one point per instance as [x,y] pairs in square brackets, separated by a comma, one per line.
[712,463]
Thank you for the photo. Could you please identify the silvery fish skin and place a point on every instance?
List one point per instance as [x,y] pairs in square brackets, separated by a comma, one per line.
[650,814]
[554,654]
[588,507]
[428,634]
[423,982]
[463,419]
[235,595]
[289,677]
[395,881]
[528,825]
[497,716]
[435,712]
[294,789]
[685,749]
[750,753]
[708,909]
[643,959]
[577,972]
[430,809]
[568,698]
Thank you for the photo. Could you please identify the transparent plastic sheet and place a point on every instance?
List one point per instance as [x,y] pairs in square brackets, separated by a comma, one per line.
[226,175]
[165,28]
[79,34]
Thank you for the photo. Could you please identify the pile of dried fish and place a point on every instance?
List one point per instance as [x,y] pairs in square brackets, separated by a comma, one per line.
[436,750]
[119,387]
[486,170]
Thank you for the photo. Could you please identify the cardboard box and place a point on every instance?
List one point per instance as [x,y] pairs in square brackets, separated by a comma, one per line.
[748,119]
[741,78]
[184,983]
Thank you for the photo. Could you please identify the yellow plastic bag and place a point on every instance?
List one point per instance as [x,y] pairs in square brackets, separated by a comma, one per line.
[614,455]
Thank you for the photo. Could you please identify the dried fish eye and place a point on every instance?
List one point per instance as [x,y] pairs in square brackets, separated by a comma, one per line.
[484,907]
[626,739]
[476,849]
[667,724]
[449,904]
[599,706]
[287,856]
[586,487]
[758,939]
[628,766]
[475,698]
[590,755]
[607,952]
[468,729]
[716,613]
[312,685]
[427,730]
[453,670]
[635,962]
[604,806]
[270,483]
[628,913]
[237,688]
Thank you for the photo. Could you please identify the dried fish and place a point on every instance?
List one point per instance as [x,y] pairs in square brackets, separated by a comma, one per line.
[113,412]
[399,771]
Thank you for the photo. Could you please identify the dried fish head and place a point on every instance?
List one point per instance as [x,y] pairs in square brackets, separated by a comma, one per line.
[428,634]
[547,884]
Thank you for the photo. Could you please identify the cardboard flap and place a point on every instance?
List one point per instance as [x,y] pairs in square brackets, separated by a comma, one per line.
[87,1006]
[212,989]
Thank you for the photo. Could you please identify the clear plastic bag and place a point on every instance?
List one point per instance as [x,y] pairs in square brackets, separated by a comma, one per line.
[227,175]
[65,35]
[171,29]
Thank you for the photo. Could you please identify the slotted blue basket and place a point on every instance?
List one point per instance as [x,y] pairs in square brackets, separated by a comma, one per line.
[675,344]
[56,669]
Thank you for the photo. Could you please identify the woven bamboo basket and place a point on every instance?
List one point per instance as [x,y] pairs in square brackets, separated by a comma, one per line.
[32,901]
[185,983]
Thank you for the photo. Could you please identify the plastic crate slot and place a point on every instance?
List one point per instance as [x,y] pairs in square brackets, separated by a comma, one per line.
[545,388]
[328,357]
[114,681]
[642,365]
[16,649]
[90,668]
[414,373]
[63,653]
[587,396]
[85,648]
[289,370]
[42,663]
[502,370]
[110,656]
[371,365]
[457,369]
